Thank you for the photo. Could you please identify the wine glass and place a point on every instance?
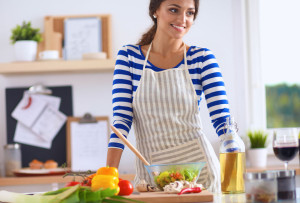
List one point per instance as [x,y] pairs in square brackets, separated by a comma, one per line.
[285,144]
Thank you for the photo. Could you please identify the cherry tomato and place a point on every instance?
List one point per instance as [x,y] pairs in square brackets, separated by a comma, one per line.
[72,183]
[86,182]
[126,188]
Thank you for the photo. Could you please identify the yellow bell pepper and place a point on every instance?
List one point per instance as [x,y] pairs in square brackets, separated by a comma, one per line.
[112,171]
[106,177]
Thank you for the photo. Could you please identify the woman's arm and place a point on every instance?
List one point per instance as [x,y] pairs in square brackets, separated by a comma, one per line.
[114,157]
[214,91]
[122,106]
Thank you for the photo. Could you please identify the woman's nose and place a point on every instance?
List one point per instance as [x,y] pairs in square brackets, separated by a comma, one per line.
[182,18]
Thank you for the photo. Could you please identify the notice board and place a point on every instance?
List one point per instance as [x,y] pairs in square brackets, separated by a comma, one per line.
[58,150]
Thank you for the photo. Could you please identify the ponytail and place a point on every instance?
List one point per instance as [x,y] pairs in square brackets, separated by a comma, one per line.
[148,36]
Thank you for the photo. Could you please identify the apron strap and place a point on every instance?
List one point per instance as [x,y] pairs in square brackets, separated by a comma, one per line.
[185,60]
[147,55]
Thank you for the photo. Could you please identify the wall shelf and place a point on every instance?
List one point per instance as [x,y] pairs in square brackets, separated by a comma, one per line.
[38,67]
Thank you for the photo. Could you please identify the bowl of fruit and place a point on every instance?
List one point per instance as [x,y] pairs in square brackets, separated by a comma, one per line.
[164,174]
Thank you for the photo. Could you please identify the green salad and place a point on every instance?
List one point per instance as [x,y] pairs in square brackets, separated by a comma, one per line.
[169,176]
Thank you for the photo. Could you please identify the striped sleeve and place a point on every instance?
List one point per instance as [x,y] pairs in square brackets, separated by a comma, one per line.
[121,99]
[214,91]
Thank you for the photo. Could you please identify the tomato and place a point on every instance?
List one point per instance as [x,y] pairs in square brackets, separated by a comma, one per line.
[86,182]
[126,188]
[72,183]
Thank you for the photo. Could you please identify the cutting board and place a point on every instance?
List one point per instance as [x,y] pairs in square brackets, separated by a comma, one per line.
[204,196]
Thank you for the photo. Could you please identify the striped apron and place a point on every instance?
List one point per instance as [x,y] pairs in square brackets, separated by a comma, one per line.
[167,124]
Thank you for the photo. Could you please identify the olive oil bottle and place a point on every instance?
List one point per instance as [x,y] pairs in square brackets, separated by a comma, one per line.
[232,160]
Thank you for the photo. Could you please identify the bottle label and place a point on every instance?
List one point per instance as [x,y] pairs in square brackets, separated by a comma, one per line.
[232,146]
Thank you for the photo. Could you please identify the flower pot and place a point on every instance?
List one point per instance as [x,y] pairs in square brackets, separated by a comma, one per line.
[257,157]
[25,50]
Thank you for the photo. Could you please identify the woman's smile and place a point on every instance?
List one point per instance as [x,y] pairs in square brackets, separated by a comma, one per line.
[178,28]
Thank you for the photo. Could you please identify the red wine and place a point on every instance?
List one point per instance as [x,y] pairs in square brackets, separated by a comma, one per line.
[285,153]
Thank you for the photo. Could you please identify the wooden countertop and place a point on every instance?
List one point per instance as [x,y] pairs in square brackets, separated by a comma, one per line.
[6,181]
[292,167]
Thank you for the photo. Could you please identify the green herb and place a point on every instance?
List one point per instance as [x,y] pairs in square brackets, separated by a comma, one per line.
[25,32]
[74,194]
[257,139]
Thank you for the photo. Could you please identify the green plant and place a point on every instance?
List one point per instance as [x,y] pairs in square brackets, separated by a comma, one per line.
[25,32]
[257,139]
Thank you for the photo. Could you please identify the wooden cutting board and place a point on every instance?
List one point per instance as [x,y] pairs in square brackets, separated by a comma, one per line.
[204,196]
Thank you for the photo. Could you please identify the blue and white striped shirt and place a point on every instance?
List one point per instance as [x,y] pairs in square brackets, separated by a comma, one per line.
[205,74]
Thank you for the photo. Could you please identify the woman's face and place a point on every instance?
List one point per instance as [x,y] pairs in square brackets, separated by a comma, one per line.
[175,17]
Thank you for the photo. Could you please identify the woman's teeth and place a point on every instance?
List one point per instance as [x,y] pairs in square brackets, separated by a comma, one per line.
[178,27]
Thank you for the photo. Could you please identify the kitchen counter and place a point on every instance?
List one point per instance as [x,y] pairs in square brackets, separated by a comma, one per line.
[291,167]
[20,184]
[8,181]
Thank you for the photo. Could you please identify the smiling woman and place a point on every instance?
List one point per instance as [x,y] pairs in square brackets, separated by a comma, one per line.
[158,85]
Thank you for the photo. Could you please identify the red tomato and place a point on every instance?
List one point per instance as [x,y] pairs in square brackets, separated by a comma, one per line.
[86,182]
[126,188]
[72,183]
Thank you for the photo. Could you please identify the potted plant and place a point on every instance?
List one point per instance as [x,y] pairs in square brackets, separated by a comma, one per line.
[25,40]
[257,154]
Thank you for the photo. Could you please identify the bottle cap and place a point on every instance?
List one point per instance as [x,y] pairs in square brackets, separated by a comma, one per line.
[12,146]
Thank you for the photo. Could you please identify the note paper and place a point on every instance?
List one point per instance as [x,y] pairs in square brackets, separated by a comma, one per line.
[88,145]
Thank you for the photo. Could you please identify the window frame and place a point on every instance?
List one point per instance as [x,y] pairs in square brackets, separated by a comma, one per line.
[256,86]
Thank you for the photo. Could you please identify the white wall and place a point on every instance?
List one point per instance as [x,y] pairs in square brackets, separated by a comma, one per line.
[218,27]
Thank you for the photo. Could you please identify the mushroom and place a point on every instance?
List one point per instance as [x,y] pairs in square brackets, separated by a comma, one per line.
[151,188]
[174,187]
[142,186]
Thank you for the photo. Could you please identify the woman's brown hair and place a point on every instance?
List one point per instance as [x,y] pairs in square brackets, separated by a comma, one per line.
[153,6]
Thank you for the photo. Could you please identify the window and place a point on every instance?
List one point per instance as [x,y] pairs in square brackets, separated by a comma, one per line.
[274,68]
[279,43]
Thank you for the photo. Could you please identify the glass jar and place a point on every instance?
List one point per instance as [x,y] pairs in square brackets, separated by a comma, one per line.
[261,187]
[12,158]
[232,160]
[286,185]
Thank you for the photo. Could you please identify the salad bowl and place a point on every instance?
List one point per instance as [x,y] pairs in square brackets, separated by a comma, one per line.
[164,174]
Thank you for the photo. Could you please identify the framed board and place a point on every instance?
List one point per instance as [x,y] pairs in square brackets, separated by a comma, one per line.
[82,35]
[87,143]
[58,150]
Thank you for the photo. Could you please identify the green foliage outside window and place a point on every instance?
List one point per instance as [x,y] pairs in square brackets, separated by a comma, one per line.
[283,105]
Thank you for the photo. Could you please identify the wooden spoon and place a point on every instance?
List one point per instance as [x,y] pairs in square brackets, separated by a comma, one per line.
[131,147]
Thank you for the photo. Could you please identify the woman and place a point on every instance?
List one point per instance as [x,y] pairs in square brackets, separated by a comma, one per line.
[158,85]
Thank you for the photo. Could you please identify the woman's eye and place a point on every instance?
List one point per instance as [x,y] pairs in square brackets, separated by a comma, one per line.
[173,10]
[190,13]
